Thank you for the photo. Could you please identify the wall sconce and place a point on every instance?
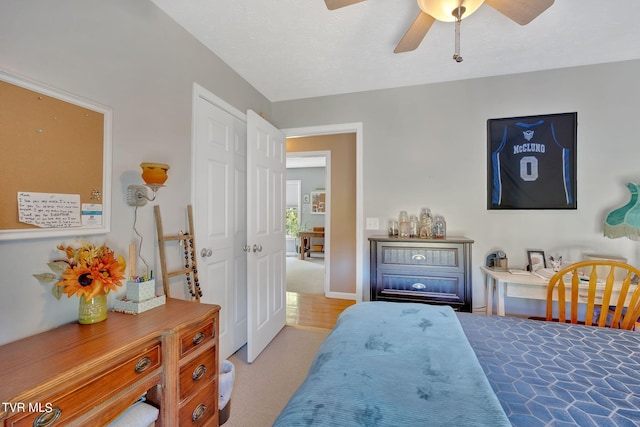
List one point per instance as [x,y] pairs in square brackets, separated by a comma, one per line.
[154,176]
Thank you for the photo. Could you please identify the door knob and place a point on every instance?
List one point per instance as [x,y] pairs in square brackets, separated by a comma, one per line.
[257,248]
[246,248]
[206,252]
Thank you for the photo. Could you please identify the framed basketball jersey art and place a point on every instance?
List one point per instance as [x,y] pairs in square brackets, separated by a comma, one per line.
[531,162]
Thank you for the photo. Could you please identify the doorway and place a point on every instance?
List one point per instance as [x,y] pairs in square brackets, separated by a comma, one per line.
[308,222]
[345,235]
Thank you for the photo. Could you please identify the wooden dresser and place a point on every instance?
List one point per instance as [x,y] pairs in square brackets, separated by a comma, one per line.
[89,374]
[420,270]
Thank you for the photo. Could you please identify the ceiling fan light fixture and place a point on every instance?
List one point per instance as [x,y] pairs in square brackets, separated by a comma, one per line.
[447,10]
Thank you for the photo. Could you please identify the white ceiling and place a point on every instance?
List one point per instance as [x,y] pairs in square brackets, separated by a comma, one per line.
[290,49]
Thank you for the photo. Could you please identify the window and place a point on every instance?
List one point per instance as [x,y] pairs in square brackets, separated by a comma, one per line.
[292,221]
[292,210]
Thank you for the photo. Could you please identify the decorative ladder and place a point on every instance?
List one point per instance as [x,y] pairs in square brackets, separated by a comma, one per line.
[188,240]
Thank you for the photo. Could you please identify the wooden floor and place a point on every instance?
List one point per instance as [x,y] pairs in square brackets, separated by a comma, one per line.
[314,311]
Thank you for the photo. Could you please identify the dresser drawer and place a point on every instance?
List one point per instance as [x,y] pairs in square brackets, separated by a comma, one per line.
[197,336]
[199,371]
[442,257]
[70,403]
[432,271]
[444,289]
[201,408]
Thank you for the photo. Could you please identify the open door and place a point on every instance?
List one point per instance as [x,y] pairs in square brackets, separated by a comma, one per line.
[266,179]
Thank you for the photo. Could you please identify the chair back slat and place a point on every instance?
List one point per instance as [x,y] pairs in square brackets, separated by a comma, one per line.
[633,311]
[561,301]
[591,297]
[575,285]
[606,297]
[602,308]
[620,303]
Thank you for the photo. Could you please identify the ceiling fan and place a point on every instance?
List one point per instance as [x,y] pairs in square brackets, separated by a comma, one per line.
[520,11]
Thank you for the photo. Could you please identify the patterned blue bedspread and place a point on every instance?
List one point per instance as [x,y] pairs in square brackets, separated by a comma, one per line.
[551,374]
[395,364]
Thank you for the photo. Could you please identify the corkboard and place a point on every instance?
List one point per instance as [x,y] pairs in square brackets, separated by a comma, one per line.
[56,144]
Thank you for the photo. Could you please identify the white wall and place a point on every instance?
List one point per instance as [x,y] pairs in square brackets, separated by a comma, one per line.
[425,146]
[129,56]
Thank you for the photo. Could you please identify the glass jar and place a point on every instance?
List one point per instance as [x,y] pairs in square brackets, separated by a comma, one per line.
[393,228]
[403,229]
[403,224]
[439,228]
[413,226]
[426,224]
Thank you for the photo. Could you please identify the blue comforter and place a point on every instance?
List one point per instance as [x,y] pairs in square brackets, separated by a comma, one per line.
[558,374]
[395,364]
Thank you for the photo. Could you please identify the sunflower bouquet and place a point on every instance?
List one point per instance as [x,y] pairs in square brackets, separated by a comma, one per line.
[87,271]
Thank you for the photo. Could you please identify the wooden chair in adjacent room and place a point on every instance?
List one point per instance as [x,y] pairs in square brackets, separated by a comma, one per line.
[598,283]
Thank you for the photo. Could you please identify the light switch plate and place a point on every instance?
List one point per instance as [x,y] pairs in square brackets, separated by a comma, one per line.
[373,224]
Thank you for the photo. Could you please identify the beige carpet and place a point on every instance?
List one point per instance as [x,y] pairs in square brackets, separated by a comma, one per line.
[305,276]
[263,388]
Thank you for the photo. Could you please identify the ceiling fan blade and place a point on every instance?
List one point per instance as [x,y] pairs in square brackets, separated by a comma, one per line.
[415,33]
[337,4]
[520,11]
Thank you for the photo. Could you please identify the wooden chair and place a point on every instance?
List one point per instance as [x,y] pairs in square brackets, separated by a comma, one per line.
[586,285]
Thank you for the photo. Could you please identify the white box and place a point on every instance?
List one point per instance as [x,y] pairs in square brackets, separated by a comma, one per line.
[125,306]
[141,291]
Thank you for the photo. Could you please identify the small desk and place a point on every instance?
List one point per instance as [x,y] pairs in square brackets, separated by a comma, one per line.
[529,286]
[305,241]
[512,285]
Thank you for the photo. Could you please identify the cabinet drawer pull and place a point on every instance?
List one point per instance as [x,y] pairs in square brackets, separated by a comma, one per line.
[419,286]
[143,364]
[198,412]
[199,372]
[198,338]
[418,257]
[47,418]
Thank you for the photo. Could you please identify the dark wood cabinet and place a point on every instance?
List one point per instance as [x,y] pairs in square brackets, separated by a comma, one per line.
[421,270]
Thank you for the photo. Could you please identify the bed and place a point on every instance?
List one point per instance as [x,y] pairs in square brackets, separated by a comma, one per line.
[410,364]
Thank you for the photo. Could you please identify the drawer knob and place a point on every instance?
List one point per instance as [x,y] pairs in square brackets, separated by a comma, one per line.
[143,364]
[47,418]
[418,257]
[199,372]
[198,412]
[198,338]
[419,286]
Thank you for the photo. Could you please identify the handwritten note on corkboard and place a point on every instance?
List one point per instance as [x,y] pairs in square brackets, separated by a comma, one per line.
[53,157]
[49,210]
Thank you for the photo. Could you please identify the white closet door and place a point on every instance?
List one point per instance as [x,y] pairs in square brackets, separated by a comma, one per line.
[219,198]
[266,178]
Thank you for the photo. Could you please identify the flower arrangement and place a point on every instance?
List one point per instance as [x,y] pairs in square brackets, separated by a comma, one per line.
[88,271]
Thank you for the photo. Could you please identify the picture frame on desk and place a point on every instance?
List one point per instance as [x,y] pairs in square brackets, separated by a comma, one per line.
[536,259]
